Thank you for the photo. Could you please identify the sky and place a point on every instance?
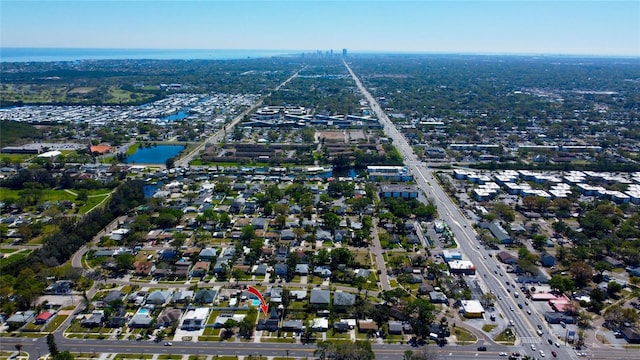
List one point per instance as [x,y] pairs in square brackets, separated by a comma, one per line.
[509,26]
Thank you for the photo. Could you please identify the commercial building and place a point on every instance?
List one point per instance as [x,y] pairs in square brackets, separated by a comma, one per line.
[471,309]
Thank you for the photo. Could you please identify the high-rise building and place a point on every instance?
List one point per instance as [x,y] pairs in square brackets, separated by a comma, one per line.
[344,52]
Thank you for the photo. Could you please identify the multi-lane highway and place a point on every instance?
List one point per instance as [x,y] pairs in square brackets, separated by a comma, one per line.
[489,274]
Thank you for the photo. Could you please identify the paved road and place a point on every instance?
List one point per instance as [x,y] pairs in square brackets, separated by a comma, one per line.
[380,263]
[466,237]
[37,347]
[216,137]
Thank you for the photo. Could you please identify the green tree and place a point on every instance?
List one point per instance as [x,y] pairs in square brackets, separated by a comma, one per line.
[420,315]
[245,327]
[65,355]
[124,261]
[51,343]
[331,222]
[248,233]
[561,283]
[581,273]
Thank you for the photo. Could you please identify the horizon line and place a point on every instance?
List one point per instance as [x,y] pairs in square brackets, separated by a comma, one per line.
[338,51]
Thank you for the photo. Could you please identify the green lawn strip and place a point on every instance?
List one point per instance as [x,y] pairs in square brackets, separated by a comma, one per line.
[464,335]
[506,337]
[13,258]
[91,203]
[8,251]
[488,327]
[133,356]
[278,340]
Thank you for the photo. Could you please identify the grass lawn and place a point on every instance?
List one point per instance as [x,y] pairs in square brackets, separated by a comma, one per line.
[55,322]
[278,340]
[488,327]
[133,356]
[14,257]
[16,158]
[506,337]
[464,336]
[8,251]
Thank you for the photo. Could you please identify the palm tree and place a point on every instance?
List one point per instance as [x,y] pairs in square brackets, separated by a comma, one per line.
[19,348]
[321,350]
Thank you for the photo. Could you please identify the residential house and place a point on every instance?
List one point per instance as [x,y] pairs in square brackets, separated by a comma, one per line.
[438,297]
[205,296]
[159,297]
[113,295]
[343,300]
[281,270]
[319,297]
[195,319]
[140,320]
[292,326]
[367,326]
[260,270]
[200,269]
[275,295]
[507,257]
[44,317]
[94,320]
[322,271]
[182,296]
[220,266]
[182,268]
[260,223]
[20,318]
[168,317]
[270,324]
[395,328]
[547,260]
[61,287]
[497,231]
[302,269]
[287,235]
[117,318]
[142,268]
[320,324]
[425,289]
[208,254]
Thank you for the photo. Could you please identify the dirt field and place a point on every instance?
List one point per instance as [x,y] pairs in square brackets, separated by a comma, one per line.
[332,136]
[81,90]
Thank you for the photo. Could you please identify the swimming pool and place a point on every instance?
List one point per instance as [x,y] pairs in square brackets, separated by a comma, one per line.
[255,302]
[143,311]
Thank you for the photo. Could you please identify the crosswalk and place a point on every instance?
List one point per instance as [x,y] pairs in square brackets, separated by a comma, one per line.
[530,340]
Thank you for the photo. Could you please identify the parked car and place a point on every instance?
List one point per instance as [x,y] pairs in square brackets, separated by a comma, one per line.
[482,348]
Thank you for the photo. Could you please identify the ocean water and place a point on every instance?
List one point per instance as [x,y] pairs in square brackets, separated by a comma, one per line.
[70,54]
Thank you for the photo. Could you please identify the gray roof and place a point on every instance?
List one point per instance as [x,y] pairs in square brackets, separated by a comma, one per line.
[208,252]
[112,296]
[343,299]
[140,319]
[302,269]
[21,316]
[292,324]
[319,296]
[205,295]
[159,296]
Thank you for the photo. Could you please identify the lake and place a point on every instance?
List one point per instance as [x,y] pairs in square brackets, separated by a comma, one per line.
[156,155]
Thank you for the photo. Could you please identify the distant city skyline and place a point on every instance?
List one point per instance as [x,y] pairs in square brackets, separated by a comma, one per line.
[503,27]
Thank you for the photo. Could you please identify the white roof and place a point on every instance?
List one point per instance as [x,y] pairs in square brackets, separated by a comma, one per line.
[472,306]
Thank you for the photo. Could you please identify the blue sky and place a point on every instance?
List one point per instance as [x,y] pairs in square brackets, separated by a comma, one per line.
[556,27]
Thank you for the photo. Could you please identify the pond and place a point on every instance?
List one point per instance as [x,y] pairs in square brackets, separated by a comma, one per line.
[156,155]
